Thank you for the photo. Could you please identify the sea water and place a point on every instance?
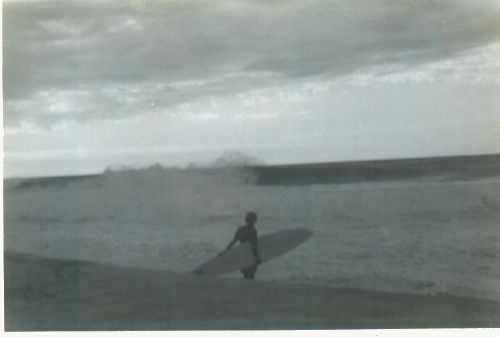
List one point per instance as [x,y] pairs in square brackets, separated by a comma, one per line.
[434,235]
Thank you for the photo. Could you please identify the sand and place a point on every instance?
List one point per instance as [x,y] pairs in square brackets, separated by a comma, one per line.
[54,294]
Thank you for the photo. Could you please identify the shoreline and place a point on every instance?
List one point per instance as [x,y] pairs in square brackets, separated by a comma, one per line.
[49,294]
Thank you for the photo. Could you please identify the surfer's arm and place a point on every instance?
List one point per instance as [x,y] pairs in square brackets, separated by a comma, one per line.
[233,242]
[255,249]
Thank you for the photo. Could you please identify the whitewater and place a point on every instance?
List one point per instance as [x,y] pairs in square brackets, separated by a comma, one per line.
[429,236]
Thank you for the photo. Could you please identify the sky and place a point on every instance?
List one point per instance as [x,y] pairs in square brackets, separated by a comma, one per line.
[94,84]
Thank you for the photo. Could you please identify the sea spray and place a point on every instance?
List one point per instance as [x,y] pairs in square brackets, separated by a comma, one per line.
[150,195]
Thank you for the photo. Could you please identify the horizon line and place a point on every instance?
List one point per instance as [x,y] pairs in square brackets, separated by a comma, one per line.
[249,165]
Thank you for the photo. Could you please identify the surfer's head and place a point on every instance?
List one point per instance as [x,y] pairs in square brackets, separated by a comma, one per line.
[251,218]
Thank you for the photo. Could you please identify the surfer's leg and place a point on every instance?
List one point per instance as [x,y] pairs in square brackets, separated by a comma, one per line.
[245,273]
[252,272]
[249,273]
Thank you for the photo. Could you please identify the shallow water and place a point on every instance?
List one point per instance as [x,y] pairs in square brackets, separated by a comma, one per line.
[430,236]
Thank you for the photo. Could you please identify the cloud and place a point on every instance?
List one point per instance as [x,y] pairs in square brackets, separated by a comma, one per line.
[86,60]
[481,65]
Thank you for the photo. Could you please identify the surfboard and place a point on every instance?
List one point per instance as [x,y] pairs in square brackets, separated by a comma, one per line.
[270,246]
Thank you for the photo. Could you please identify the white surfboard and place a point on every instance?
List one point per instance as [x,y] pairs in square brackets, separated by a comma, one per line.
[269,246]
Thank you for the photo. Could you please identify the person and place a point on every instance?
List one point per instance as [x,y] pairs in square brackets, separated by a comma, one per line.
[247,233]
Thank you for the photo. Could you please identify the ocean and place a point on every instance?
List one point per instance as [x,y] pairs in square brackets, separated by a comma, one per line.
[426,232]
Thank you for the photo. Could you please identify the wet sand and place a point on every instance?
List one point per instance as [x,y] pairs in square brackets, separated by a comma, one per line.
[53,294]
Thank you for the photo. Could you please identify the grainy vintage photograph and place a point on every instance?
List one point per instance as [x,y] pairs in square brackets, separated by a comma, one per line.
[251,165]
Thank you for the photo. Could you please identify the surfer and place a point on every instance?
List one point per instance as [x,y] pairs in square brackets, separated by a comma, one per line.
[248,233]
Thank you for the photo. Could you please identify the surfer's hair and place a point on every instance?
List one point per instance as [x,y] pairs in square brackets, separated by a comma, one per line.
[251,217]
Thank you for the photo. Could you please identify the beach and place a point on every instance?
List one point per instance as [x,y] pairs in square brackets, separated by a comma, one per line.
[54,294]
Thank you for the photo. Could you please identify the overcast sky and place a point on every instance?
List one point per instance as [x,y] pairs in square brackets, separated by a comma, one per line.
[89,84]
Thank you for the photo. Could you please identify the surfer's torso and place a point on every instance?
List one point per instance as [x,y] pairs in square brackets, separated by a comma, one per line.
[247,234]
